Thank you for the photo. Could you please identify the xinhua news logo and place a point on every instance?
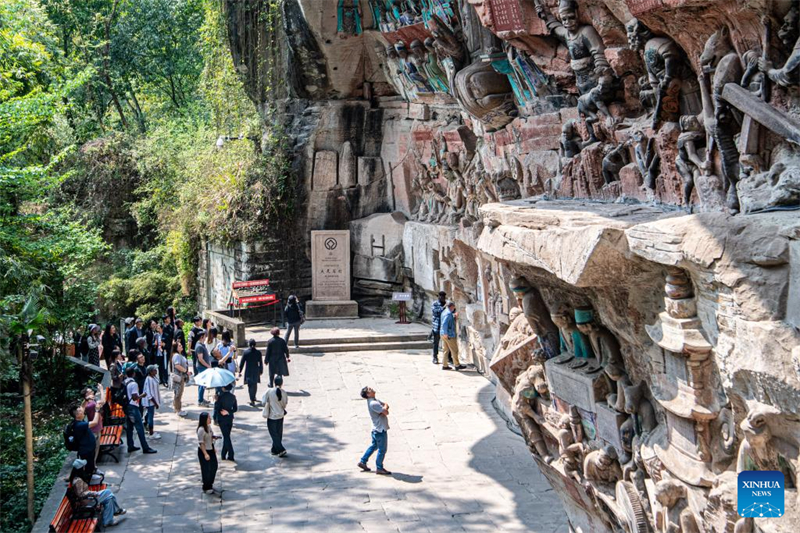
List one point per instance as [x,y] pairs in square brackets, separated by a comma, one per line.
[760,494]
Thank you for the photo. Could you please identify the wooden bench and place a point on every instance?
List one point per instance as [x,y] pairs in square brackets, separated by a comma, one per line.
[68,519]
[110,442]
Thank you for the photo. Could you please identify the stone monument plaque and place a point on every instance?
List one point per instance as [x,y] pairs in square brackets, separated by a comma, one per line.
[507,15]
[330,263]
[330,276]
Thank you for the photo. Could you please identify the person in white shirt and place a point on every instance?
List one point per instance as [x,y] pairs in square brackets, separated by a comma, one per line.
[134,416]
[151,398]
[275,400]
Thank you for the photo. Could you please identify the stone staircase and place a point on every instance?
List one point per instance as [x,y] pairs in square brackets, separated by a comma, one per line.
[372,343]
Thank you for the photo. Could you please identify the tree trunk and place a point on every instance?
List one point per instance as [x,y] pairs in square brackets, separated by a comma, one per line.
[28,421]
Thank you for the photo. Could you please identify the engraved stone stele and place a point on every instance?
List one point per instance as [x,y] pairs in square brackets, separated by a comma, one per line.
[330,278]
[575,386]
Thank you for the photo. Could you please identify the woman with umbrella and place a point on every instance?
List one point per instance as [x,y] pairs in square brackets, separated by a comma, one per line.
[277,356]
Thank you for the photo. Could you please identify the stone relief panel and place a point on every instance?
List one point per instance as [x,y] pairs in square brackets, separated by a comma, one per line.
[615,97]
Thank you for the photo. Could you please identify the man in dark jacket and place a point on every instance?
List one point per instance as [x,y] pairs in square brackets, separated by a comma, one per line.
[277,356]
[252,366]
[193,337]
[180,336]
[167,337]
[133,334]
[224,408]
[294,319]
[150,335]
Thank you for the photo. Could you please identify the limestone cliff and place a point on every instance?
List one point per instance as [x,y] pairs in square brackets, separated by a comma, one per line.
[608,189]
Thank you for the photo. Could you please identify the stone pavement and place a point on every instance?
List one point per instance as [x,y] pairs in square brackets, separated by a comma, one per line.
[456,466]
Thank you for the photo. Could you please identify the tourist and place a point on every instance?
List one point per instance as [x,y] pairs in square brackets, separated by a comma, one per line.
[253,366]
[77,341]
[83,345]
[193,338]
[449,339]
[180,376]
[294,319]
[94,345]
[133,334]
[141,366]
[436,323]
[82,437]
[224,407]
[379,413]
[110,341]
[94,414]
[275,401]
[79,480]
[150,334]
[228,352]
[117,370]
[180,336]
[168,336]
[206,454]
[277,356]
[151,399]
[211,340]
[134,415]
[203,358]
[161,363]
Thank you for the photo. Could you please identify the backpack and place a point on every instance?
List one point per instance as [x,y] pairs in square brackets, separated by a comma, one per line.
[70,442]
[120,395]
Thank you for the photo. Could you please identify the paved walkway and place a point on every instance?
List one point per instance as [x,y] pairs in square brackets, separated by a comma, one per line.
[456,466]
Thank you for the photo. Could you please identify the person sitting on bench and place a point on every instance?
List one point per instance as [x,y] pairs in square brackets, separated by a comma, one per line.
[79,480]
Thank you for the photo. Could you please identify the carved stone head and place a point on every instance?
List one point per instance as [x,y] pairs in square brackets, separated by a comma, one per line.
[718,46]
[689,123]
[568,14]
[584,320]
[418,49]
[562,318]
[669,492]
[638,35]
[400,48]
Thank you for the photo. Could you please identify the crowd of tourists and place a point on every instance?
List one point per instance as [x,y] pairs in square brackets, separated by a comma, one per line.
[154,355]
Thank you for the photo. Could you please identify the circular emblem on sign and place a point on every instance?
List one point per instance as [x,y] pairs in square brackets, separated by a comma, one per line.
[330,243]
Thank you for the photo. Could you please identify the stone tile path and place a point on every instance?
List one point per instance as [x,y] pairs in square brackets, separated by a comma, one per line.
[456,465]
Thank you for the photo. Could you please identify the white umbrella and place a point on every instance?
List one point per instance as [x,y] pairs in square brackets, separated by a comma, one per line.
[214,377]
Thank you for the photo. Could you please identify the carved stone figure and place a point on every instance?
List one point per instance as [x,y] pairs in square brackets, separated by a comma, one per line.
[410,70]
[572,461]
[648,160]
[670,76]
[614,161]
[573,343]
[538,316]
[720,59]
[575,424]
[349,18]
[760,450]
[616,374]
[602,467]
[592,102]
[526,390]
[571,141]
[586,49]
[674,514]
[689,163]
[486,95]
[789,74]
[604,345]
[434,68]
[448,45]
[429,69]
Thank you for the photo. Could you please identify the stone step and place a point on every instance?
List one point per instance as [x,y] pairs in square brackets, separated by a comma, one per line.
[373,346]
[367,339]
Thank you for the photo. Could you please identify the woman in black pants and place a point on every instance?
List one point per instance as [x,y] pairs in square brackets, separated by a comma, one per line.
[206,454]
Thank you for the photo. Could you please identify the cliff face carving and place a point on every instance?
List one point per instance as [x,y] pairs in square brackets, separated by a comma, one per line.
[608,189]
